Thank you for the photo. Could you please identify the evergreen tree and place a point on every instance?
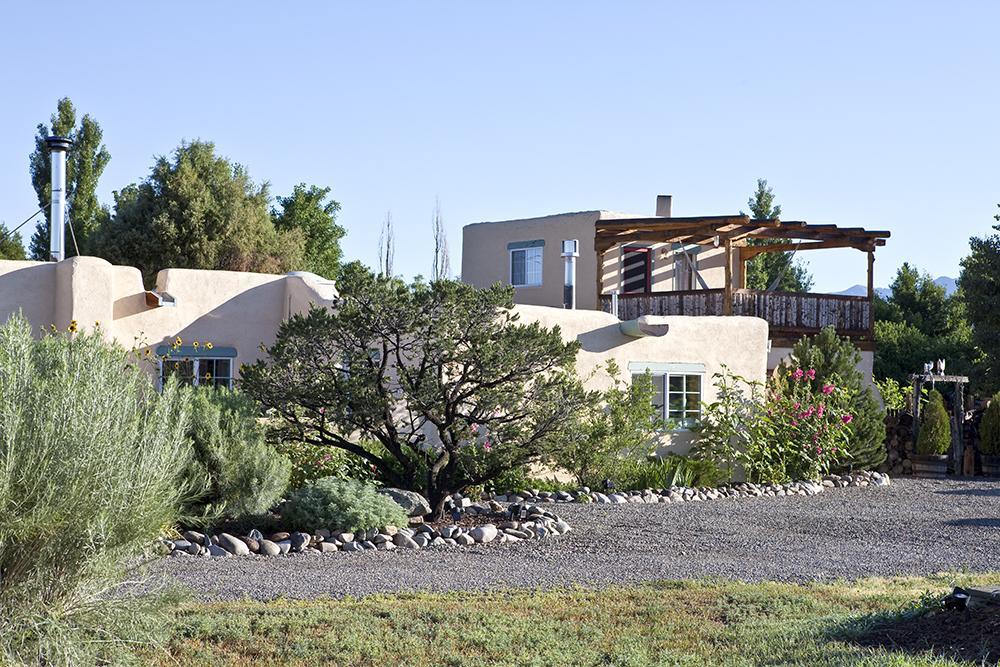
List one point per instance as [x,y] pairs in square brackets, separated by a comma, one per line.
[989,428]
[85,162]
[765,268]
[835,361]
[11,245]
[197,211]
[980,286]
[935,427]
[308,210]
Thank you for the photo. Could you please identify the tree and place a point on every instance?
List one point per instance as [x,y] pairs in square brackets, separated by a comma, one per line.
[442,262]
[197,211]
[308,210]
[934,438]
[386,247]
[85,162]
[766,268]
[11,245]
[989,428]
[439,386]
[979,283]
[918,322]
[835,362]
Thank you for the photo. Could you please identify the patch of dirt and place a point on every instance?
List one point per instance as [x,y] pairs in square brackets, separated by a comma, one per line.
[970,635]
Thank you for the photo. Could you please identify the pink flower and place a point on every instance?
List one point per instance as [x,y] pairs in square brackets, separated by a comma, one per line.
[847,419]
[795,422]
[827,389]
[798,374]
[819,450]
[487,447]
[821,410]
[796,406]
[811,373]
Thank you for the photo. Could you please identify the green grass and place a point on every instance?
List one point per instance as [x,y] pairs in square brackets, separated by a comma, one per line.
[665,623]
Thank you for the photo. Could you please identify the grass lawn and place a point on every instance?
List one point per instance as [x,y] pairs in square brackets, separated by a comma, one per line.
[665,623]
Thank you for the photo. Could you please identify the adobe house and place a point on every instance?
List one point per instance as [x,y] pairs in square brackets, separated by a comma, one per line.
[632,266]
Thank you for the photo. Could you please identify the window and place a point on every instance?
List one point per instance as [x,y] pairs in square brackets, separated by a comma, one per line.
[677,390]
[636,270]
[685,267]
[193,365]
[526,263]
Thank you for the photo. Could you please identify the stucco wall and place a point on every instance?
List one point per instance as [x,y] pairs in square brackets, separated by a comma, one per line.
[227,308]
[739,343]
[485,258]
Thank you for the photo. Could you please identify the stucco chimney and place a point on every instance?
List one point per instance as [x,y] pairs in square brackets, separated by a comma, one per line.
[57,206]
[663,205]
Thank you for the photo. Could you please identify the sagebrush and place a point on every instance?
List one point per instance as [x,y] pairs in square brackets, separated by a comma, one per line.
[90,458]
[343,504]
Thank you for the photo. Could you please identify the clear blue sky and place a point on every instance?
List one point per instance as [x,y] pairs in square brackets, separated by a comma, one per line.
[880,115]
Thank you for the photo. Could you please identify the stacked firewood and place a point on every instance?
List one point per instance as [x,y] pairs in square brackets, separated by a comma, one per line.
[898,444]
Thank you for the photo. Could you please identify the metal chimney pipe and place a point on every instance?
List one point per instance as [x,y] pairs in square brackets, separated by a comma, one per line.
[57,208]
[663,205]
[570,251]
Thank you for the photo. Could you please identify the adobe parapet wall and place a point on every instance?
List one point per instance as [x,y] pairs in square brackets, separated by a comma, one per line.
[228,308]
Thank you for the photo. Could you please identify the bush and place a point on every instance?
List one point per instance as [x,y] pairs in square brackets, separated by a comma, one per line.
[311,462]
[343,504]
[622,424]
[90,457]
[895,396]
[665,472]
[935,427]
[989,428]
[835,361]
[235,472]
[787,431]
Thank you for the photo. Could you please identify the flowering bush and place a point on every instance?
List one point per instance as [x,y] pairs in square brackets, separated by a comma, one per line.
[776,433]
[311,462]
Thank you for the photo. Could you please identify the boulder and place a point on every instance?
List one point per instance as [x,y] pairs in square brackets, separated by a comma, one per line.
[412,502]
[404,541]
[486,533]
[233,545]
[218,552]
[269,548]
[299,541]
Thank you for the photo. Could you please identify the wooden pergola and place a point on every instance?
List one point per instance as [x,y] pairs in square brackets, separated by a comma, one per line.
[735,233]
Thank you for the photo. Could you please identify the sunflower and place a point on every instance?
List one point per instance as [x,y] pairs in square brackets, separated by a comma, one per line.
[178,342]
[208,346]
[72,326]
[195,344]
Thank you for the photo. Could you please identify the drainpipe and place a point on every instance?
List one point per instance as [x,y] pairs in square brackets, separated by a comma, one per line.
[57,208]
[570,251]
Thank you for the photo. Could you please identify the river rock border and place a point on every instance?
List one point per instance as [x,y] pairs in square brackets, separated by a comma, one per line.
[522,521]
[679,494]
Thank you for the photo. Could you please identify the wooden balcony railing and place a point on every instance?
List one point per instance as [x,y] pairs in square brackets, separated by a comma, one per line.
[787,313]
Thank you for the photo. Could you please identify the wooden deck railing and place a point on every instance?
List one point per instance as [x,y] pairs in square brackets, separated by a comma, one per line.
[787,313]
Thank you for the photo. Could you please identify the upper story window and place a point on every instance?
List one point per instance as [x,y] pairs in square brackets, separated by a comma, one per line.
[526,263]
[677,390]
[198,366]
[685,267]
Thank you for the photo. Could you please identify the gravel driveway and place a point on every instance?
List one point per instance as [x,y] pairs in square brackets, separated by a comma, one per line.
[915,526]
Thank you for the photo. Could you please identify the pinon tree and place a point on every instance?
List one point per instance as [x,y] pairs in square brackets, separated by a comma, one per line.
[835,361]
[934,438]
[438,386]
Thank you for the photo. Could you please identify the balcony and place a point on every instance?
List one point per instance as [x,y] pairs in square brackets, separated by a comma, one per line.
[788,314]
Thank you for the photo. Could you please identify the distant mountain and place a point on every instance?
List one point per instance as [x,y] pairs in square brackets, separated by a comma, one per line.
[949,285]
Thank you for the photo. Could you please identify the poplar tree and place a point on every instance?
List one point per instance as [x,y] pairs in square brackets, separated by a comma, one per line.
[308,210]
[85,162]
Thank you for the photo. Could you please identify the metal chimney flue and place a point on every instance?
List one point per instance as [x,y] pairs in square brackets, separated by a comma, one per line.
[58,146]
[570,251]
[663,205]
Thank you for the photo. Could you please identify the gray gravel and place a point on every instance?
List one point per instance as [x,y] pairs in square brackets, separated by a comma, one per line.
[915,526]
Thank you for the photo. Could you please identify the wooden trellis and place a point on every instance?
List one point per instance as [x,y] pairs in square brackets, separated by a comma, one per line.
[956,457]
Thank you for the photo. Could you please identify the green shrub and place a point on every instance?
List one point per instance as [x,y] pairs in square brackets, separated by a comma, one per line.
[90,457]
[311,462]
[895,396]
[989,428]
[935,427]
[835,361]
[344,504]
[665,472]
[236,473]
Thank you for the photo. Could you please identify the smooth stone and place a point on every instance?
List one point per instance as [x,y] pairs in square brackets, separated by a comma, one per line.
[280,537]
[367,545]
[252,544]
[285,546]
[352,546]
[177,553]
[299,541]
[180,544]
[484,534]
[233,545]
[463,539]
[269,548]
[389,530]
[326,547]
[216,551]
[194,536]
[412,502]
[405,541]
[194,549]
[344,537]
[255,534]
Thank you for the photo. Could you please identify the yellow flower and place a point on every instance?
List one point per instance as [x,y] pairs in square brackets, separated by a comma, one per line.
[53,328]
[97,324]
[208,346]
[195,344]
[148,352]
[208,376]
[178,342]
[72,326]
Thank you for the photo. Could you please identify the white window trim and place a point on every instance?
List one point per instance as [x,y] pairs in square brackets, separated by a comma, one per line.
[663,371]
[541,265]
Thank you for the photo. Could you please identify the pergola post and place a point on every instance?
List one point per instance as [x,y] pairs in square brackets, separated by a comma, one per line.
[871,293]
[727,297]
[600,279]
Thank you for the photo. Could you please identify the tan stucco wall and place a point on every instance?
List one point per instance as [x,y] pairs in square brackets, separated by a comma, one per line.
[485,258]
[739,343]
[227,308]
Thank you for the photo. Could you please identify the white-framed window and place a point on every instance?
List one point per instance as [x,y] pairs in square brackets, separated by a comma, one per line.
[200,371]
[677,390]
[196,365]
[525,263]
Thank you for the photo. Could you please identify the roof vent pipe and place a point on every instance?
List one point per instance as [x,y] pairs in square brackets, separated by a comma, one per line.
[57,208]
[570,251]
[663,203]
